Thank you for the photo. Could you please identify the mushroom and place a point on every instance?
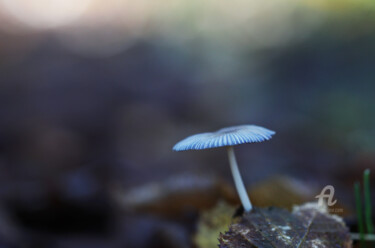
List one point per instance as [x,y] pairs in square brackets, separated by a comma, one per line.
[228,137]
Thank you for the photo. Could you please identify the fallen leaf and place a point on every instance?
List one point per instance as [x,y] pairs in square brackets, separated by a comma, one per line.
[173,196]
[211,223]
[308,226]
[281,191]
[286,192]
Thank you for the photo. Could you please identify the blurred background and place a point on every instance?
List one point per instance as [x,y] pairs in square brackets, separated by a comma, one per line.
[95,93]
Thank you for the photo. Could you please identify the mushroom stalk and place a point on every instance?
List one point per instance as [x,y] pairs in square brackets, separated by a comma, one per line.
[238,180]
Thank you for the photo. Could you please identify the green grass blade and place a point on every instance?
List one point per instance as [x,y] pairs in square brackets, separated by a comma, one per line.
[367,193]
[358,206]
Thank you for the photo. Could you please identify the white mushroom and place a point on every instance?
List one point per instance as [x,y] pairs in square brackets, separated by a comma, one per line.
[228,137]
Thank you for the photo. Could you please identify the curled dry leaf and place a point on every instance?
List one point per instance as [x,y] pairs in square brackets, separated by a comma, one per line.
[308,226]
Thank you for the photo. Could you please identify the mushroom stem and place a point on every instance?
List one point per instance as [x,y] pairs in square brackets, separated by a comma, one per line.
[238,180]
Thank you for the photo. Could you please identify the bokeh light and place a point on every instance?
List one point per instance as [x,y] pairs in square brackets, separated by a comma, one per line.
[44,14]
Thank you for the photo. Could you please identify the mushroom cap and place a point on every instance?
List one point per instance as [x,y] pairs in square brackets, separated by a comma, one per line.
[229,136]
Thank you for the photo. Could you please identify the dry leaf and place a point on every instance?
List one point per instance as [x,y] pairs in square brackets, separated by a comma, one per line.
[211,223]
[281,191]
[308,226]
[173,196]
[286,192]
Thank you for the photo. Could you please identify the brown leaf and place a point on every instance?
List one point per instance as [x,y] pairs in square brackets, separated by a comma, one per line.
[173,196]
[308,225]
[281,191]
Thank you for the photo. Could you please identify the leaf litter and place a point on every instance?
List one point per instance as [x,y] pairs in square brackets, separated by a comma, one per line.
[307,226]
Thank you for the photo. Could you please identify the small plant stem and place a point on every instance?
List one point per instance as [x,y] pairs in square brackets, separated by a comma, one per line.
[358,206]
[238,180]
[367,193]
